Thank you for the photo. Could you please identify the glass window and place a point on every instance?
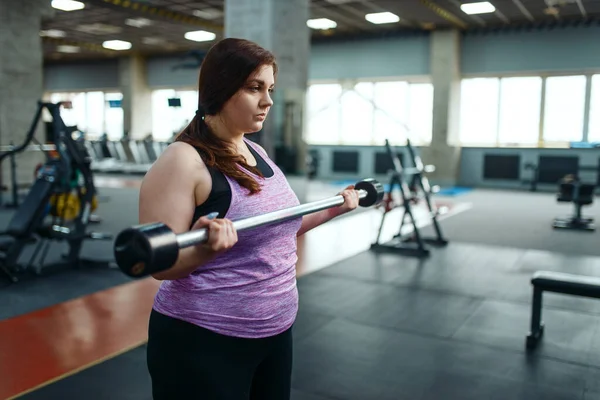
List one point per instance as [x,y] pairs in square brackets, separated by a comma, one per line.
[323,114]
[368,113]
[564,108]
[162,124]
[479,110]
[420,112]
[113,115]
[520,103]
[594,127]
[94,112]
[391,116]
[357,119]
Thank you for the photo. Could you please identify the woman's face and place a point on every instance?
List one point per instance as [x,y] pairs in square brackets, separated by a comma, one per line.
[246,110]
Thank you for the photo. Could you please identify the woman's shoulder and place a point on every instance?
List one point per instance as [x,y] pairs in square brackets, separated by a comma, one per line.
[178,157]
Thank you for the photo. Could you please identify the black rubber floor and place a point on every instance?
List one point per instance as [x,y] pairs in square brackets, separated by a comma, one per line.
[385,327]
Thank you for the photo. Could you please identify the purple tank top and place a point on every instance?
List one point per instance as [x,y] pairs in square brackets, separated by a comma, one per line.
[250,290]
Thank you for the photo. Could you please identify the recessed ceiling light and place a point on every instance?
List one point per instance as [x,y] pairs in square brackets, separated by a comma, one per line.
[208,13]
[200,36]
[67,48]
[138,22]
[382,18]
[67,5]
[483,7]
[116,45]
[321,23]
[53,33]
[99,29]
[153,41]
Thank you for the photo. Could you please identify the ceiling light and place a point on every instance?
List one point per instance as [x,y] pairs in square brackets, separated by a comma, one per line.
[153,41]
[67,49]
[478,8]
[99,29]
[200,36]
[53,33]
[208,13]
[321,23]
[382,18]
[67,5]
[116,45]
[138,22]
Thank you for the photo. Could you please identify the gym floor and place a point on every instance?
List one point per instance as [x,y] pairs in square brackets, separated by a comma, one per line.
[370,326]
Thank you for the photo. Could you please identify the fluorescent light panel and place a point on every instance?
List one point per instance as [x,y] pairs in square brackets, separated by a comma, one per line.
[67,5]
[321,23]
[200,36]
[116,45]
[53,33]
[382,18]
[483,7]
[67,49]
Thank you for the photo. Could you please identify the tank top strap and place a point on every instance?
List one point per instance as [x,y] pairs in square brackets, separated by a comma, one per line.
[263,155]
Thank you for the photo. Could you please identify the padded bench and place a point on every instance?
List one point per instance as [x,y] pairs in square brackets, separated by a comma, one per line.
[556,282]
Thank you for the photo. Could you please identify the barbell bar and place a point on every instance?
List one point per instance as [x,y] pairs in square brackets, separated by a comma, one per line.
[146,249]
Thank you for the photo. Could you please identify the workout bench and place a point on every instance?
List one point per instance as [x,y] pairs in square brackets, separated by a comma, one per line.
[556,282]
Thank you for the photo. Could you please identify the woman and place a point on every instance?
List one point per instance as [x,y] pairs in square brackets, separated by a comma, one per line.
[221,323]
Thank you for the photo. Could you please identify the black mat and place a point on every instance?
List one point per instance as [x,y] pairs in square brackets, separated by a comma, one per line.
[384,327]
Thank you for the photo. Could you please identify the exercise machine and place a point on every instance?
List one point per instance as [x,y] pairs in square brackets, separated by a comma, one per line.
[146,249]
[414,244]
[63,193]
[572,190]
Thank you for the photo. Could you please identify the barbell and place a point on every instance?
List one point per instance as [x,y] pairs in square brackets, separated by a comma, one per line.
[146,249]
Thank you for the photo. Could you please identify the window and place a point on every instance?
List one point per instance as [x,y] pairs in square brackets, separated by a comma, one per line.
[91,113]
[114,115]
[479,110]
[356,118]
[368,113]
[420,111]
[168,119]
[520,103]
[323,114]
[391,114]
[564,108]
[594,127]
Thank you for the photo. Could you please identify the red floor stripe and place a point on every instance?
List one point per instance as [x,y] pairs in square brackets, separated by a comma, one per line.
[49,343]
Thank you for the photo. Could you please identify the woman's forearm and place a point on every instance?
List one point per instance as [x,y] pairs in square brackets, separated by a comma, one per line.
[311,221]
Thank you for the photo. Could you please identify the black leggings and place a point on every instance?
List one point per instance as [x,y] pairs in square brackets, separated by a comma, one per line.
[186,361]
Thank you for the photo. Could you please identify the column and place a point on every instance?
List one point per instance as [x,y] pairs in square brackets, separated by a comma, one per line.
[137,97]
[279,26]
[21,76]
[444,151]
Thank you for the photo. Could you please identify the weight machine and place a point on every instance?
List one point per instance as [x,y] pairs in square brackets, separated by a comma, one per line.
[415,245]
[58,177]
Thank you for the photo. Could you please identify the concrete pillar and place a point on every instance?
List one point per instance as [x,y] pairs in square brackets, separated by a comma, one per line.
[279,26]
[137,97]
[444,151]
[21,75]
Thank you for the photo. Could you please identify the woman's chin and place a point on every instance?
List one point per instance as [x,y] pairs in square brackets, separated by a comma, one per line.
[255,127]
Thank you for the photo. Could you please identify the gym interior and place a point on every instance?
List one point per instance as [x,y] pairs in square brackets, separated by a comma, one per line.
[480,122]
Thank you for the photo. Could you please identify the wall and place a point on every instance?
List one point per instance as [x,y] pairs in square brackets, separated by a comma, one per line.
[550,50]
[394,56]
[82,76]
[172,72]
[472,170]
